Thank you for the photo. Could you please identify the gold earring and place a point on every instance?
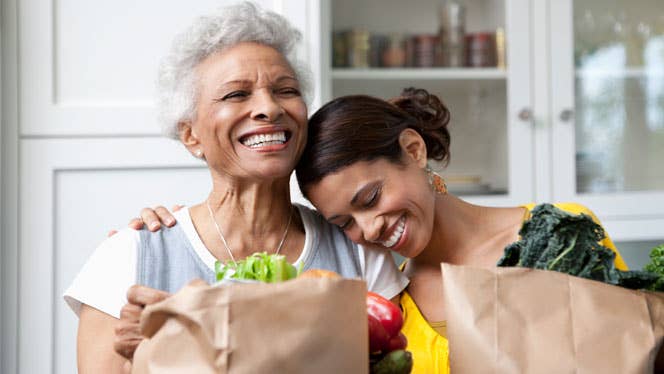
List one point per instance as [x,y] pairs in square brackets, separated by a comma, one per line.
[436,181]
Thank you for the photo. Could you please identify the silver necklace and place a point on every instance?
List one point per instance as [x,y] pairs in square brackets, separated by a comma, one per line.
[223,239]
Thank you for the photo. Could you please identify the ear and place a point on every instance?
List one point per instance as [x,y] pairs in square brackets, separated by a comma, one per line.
[188,137]
[413,147]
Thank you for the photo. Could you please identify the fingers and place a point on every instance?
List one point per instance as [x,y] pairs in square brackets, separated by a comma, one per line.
[177,207]
[127,338]
[141,295]
[131,312]
[111,233]
[149,216]
[136,224]
[165,216]
[127,330]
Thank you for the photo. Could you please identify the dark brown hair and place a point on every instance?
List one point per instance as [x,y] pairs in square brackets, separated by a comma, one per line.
[364,128]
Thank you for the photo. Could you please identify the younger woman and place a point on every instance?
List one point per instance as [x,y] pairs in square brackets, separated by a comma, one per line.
[365,169]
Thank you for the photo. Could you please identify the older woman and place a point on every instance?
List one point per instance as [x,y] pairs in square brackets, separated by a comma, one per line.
[232,93]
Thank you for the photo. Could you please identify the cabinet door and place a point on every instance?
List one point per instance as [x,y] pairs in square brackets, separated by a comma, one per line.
[90,151]
[491,125]
[607,84]
[88,67]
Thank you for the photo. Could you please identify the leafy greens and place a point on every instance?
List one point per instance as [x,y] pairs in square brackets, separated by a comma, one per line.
[261,267]
[656,266]
[553,239]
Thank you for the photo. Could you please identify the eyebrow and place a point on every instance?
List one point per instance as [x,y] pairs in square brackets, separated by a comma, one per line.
[356,197]
[249,81]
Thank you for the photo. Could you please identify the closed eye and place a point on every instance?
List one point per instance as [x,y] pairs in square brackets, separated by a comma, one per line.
[346,225]
[290,91]
[373,198]
[235,95]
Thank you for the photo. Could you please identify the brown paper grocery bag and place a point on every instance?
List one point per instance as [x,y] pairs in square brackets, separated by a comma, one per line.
[516,320]
[298,326]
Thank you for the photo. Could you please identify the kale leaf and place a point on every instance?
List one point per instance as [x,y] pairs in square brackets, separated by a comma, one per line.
[656,266]
[553,239]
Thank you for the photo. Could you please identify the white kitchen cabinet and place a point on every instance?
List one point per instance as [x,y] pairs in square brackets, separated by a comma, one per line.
[542,128]
[491,125]
[607,69]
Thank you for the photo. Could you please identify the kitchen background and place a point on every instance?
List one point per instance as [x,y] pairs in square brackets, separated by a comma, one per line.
[551,100]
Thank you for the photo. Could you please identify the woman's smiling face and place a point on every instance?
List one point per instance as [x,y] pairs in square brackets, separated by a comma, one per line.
[250,118]
[379,203]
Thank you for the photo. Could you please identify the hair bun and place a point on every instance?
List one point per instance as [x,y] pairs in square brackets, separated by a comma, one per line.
[432,119]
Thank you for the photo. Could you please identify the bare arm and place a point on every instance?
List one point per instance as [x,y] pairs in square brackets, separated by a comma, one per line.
[95,343]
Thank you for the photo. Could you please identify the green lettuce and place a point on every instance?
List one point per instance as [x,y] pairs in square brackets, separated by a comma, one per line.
[261,267]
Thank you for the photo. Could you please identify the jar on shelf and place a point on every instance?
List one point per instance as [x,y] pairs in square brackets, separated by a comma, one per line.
[377,45]
[409,48]
[425,50]
[500,48]
[394,55]
[480,50]
[452,29]
[358,49]
[340,49]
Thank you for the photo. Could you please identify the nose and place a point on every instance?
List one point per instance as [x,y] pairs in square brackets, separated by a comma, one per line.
[372,227]
[266,108]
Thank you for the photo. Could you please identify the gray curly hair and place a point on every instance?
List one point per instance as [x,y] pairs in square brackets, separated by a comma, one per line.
[231,25]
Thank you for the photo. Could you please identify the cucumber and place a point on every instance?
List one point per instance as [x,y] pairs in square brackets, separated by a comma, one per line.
[395,362]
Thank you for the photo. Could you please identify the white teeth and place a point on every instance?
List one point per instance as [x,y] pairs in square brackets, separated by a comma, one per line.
[262,140]
[396,235]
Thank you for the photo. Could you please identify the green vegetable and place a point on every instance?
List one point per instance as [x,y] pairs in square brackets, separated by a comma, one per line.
[395,362]
[553,239]
[656,265]
[259,266]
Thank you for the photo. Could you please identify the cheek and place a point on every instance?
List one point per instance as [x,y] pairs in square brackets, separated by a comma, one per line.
[296,108]
[354,234]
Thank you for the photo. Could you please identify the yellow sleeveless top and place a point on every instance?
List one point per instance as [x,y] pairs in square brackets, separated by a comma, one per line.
[431,350]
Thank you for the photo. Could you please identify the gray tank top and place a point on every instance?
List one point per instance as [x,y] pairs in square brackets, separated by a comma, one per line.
[167,260]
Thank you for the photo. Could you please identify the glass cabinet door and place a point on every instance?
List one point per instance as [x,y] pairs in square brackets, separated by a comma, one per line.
[470,54]
[607,76]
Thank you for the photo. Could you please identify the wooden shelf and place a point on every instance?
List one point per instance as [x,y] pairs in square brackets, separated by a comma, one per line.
[419,73]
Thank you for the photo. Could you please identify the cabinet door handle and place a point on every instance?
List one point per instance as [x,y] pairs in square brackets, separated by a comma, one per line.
[525,114]
[566,115]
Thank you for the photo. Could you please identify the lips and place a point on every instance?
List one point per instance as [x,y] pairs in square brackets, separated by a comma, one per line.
[396,235]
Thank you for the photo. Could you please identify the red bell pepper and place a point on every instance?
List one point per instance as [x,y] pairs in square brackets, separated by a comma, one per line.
[385,322]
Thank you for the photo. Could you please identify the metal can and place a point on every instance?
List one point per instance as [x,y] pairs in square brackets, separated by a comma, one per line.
[480,49]
[425,50]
